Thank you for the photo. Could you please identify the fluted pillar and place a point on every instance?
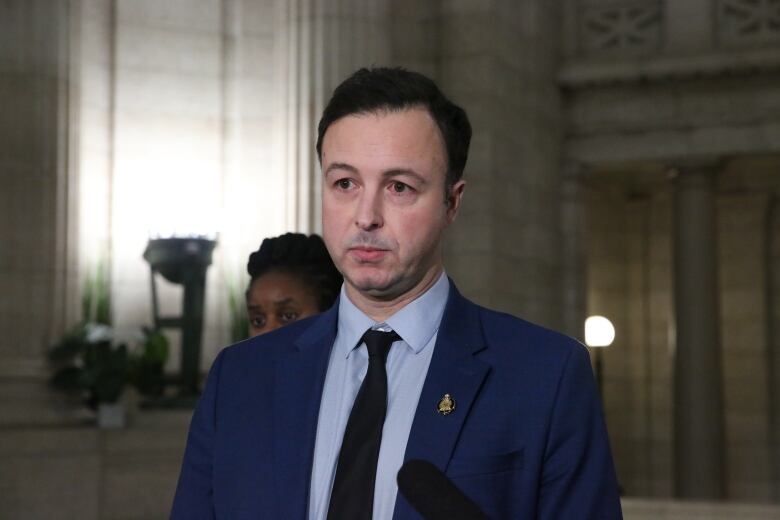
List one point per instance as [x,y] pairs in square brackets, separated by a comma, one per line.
[318,43]
[698,403]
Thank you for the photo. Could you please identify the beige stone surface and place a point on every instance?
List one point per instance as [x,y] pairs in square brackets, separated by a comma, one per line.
[49,473]
[666,120]
[517,169]
[83,472]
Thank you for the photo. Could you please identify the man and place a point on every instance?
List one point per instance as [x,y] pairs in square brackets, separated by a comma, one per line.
[315,419]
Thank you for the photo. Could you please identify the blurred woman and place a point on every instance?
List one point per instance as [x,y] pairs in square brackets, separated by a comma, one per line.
[293,277]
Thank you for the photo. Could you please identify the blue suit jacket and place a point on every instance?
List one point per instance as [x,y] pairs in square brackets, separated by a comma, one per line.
[526,440]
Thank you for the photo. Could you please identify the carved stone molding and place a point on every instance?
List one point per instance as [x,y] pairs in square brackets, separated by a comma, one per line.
[628,28]
[748,21]
[730,62]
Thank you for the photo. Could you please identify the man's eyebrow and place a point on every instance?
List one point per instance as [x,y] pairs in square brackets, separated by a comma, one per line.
[392,172]
[395,172]
[340,166]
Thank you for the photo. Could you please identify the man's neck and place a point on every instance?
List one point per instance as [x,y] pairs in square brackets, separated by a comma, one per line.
[379,309]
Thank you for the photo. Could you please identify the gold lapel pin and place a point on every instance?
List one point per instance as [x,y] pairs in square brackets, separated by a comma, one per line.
[446,405]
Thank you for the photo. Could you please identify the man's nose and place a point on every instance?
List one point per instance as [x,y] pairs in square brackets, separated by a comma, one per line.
[369,211]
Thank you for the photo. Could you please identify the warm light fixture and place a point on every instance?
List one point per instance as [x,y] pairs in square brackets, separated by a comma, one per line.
[599,332]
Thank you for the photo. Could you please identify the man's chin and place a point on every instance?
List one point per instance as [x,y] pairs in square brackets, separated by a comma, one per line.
[374,287]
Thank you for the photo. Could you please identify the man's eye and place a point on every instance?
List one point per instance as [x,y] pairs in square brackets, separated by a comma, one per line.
[288,316]
[400,187]
[344,184]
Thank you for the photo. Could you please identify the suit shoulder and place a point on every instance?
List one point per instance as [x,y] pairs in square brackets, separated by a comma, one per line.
[501,329]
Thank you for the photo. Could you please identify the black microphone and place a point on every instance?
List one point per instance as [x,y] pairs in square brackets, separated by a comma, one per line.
[433,495]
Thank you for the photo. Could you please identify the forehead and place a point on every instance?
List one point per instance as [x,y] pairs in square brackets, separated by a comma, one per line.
[275,284]
[407,138]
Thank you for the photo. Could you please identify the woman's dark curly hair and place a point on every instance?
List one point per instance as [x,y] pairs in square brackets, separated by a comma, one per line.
[302,256]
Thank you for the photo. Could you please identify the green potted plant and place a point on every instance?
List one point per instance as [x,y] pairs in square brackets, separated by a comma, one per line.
[89,364]
[147,364]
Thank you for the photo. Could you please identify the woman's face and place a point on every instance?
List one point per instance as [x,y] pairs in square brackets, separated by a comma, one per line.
[276,299]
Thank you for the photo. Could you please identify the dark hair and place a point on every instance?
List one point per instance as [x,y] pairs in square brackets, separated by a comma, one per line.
[303,256]
[372,90]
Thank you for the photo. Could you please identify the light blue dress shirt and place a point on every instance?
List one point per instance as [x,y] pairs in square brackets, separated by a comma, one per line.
[407,365]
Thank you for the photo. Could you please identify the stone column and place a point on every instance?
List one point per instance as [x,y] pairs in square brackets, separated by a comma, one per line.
[500,61]
[698,405]
[37,210]
[317,45]
[574,256]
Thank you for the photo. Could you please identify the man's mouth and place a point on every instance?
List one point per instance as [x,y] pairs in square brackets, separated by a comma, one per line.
[367,254]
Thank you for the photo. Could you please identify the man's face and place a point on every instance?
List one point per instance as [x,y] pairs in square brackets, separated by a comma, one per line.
[384,207]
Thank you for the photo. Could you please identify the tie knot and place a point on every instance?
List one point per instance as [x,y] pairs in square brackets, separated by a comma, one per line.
[378,342]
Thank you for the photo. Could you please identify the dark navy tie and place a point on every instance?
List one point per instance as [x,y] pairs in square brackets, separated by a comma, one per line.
[352,496]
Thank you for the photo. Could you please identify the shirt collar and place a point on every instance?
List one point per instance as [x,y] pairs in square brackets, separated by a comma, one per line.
[416,322]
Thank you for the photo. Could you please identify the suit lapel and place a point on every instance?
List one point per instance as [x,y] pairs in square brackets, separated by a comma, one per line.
[300,375]
[454,370]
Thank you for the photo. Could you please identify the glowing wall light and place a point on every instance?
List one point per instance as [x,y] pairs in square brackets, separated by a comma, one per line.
[599,332]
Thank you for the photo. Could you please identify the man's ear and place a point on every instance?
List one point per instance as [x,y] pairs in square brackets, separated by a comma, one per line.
[454,197]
